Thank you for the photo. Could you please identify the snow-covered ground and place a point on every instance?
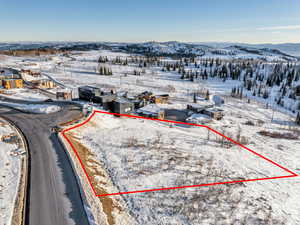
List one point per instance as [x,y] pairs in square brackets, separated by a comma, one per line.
[24,94]
[138,155]
[10,165]
[33,108]
[144,154]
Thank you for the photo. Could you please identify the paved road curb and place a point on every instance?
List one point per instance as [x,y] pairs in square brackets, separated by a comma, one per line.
[88,197]
[20,205]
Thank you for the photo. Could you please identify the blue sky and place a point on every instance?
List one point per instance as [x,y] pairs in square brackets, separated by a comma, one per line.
[254,21]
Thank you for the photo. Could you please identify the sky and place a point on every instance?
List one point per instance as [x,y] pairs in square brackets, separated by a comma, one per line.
[254,21]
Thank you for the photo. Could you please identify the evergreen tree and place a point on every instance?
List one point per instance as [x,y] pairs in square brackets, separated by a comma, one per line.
[298,118]
[241,93]
[192,78]
[233,91]
[207,95]
[266,94]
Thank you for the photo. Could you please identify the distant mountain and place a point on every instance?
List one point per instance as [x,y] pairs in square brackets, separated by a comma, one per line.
[288,48]
[287,52]
[222,50]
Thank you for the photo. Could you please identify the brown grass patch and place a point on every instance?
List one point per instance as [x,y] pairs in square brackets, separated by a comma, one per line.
[290,136]
[87,157]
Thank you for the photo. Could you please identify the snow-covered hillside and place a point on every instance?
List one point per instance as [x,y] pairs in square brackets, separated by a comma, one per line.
[132,156]
[140,155]
[232,50]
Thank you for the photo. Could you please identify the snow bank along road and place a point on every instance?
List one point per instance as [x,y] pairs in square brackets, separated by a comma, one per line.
[53,195]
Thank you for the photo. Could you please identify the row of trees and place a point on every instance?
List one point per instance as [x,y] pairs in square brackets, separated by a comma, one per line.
[103,70]
[259,78]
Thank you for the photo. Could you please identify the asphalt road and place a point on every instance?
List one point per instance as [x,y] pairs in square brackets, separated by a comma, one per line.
[54,196]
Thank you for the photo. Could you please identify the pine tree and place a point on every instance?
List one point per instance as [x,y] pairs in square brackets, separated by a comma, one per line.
[266,94]
[279,101]
[241,93]
[168,67]
[192,78]
[233,91]
[207,95]
[249,85]
[205,76]
[298,119]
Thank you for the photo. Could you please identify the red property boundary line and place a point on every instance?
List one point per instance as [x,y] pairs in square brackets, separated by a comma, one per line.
[292,174]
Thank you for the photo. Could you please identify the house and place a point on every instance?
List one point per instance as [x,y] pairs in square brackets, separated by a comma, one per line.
[198,108]
[199,118]
[138,103]
[96,95]
[214,113]
[88,93]
[31,73]
[206,109]
[12,83]
[146,96]
[45,83]
[161,99]
[106,100]
[122,106]
[64,95]
[152,111]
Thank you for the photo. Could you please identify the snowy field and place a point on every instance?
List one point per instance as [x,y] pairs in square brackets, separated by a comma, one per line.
[9,171]
[130,154]
[33,108]
[145,154]
[24,94]
[80,69]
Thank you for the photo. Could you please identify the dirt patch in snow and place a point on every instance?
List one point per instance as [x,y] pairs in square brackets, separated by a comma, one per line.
[93,170]
[290,136]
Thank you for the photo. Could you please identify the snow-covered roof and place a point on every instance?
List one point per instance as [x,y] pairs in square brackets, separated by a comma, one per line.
[5,72]
[122,100]
[200,106]
[150,109]
[198,118]
[65,90]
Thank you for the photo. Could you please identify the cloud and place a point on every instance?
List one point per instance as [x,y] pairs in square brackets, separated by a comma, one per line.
[287,27]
